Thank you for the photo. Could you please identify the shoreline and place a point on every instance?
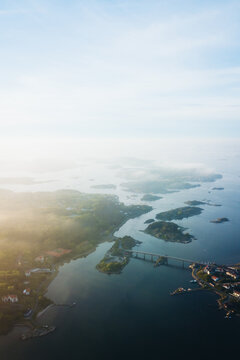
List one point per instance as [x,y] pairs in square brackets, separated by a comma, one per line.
[109,238]
[40,313]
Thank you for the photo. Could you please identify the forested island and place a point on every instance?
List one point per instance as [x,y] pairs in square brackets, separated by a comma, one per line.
[179,213]
[168,231]
[38,232]
[115,259]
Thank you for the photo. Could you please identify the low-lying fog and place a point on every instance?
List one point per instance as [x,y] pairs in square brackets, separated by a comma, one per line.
[94,165]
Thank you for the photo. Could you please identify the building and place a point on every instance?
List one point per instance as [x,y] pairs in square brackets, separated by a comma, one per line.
[214,278]
[232,274]
[225,286]
[26,291]
[207,269]
[236,294]
[10,298]
[40,259]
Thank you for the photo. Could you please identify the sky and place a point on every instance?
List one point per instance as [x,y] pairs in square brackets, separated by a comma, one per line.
[119,68]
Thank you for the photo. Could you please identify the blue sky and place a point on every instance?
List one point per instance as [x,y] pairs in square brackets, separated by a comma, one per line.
[120,68]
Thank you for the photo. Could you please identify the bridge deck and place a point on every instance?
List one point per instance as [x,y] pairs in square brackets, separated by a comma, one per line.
[166,256]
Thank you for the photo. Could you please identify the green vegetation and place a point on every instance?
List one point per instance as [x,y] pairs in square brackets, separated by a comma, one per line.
[115,260]
[195,202]
[149,221]
[67,223]
[112,267]
[127,242]
[33,223]
[179,213]
[203,276]
[168,231]
[150,197]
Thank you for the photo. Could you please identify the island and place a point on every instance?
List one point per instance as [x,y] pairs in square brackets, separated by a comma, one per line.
[45,230]
[197,202]
[179,213]
[158,186]
[168,231]
[218,188]
[115,259]
[149,221]
[104,186]
[150,197]
[219,220]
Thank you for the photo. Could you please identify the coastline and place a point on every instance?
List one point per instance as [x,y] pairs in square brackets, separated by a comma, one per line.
[40,313]
[37,312]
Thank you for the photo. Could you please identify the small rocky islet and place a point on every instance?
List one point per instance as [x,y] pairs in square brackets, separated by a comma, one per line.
[219,220]
[149,221]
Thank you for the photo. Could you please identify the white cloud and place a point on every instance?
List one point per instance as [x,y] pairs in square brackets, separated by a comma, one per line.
[156,73]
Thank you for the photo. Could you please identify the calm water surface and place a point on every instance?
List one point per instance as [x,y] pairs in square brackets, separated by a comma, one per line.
[132,315]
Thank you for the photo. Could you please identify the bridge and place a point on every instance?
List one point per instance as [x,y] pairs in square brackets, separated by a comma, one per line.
[144,255]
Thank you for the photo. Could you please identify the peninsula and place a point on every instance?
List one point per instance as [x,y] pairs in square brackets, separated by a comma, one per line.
[46,229]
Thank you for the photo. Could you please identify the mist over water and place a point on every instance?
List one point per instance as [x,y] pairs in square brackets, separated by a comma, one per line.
[53,163]
[132,312]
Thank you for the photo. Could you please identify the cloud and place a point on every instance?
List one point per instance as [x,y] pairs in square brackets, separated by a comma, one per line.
[99,69]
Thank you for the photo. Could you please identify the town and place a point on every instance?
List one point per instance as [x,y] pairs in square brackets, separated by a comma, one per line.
[224,280]
[22,289]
